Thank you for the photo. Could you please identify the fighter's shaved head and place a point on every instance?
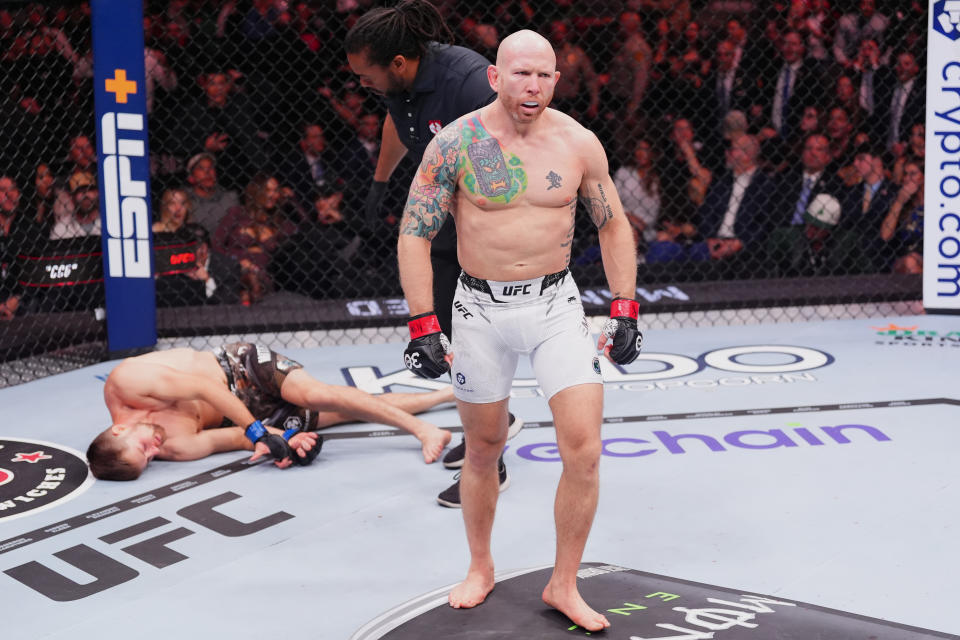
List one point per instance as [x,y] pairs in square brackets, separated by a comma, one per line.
[523,42]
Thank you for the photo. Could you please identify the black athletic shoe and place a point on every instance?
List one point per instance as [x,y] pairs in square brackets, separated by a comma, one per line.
[450,497]
[454,457]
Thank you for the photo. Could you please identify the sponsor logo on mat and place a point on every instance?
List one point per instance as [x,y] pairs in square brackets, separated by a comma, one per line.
[35,475]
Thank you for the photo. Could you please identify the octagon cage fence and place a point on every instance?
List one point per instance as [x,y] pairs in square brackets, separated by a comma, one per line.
[263,147]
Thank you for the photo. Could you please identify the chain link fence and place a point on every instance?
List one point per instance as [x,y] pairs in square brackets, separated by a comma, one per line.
[769,156]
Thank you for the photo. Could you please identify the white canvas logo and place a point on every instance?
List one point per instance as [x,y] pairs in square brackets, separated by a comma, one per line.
[125,203]
[947,18]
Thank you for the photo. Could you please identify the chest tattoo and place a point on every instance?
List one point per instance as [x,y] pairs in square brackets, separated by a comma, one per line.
[498,178]
[554,180]
[490,167]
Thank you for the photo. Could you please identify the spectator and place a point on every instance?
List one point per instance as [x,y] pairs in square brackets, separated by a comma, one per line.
[84,219]
[349,105]
[854,27]
[733,217]
[842,146]
[344,166]
[311,165]
[732,90]
[47,198]
[638,184]
[743,52]
[251,233]
[798,84]
[846,98]
[18,230]
[368,134]
[175,206]
[814,253]
[210,201]
[797,188]
[810,123]
[630,69]
[334,250]
[81,156]
[902,228]
[214,279]
[577,93]
[692,49]
[866,66]
[865,205]
[915,151]
[482,37]
[811,18]
[684,176]
[902,102]
[224,124]
[157,74]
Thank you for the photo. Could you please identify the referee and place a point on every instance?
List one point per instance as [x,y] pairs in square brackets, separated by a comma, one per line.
[402,54]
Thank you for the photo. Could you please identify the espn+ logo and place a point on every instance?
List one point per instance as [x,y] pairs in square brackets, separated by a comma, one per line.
[125,199]
[58,271]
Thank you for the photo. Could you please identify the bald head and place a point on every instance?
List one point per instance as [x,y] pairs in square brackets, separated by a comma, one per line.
[524,76]
[524,43]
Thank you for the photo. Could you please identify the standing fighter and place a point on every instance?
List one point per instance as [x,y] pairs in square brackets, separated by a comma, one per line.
[510,173]
[396,52]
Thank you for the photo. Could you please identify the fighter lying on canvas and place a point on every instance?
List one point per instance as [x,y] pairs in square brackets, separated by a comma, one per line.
[183,404]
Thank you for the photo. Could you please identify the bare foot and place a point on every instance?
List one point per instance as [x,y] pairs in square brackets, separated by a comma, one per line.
[433,444]
[472,591]
[569,603]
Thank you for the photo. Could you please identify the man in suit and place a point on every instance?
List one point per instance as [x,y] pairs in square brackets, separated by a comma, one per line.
[733,216]
[864,207]
[729,87]
[799,82]
[901,101]
[314,165]
[797,189]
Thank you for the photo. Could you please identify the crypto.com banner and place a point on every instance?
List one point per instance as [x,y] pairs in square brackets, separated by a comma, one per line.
[941,239]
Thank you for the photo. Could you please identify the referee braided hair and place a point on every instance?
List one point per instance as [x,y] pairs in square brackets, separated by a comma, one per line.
[404,29]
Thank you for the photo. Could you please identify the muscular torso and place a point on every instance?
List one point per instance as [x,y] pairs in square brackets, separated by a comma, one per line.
[181,418]
[516,198]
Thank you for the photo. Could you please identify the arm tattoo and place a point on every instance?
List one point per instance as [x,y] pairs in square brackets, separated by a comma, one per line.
[599,209]
[431,194]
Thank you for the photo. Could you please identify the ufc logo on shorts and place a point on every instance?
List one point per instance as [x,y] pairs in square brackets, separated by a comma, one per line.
[125,199]
[462,309]
[516,290]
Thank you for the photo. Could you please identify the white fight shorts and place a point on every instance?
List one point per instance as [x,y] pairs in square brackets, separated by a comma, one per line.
[494,322]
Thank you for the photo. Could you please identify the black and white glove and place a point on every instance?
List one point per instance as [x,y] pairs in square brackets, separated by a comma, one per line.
[371,206]
[621,329]
[425,353]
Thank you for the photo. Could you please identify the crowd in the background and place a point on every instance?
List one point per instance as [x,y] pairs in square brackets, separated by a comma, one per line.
[780,140]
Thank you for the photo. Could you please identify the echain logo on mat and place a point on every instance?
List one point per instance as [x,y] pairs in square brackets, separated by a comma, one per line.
[35,475]
[946,18]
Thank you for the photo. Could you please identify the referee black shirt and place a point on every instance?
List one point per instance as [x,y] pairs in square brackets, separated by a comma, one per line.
[451,81]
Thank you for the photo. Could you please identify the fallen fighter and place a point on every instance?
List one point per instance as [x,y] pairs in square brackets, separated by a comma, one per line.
[183,404]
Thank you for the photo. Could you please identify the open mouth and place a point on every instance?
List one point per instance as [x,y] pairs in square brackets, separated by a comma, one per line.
[530,105]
